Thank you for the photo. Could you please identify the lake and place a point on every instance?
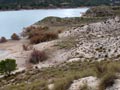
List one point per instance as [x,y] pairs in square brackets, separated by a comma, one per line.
[15,21]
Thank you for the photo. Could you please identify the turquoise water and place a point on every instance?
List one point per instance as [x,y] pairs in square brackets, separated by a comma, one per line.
[15,21]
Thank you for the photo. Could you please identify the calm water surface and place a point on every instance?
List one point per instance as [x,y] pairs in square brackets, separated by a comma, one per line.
[15,21]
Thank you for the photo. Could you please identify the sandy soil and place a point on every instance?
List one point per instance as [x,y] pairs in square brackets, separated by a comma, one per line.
[13,49]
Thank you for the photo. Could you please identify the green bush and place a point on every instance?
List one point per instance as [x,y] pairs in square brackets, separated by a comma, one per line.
[7,66]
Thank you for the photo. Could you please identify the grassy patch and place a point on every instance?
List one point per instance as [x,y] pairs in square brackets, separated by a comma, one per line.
[63,83]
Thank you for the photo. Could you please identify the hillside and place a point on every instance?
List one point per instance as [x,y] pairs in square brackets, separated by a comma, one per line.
[30,4]
[84,56]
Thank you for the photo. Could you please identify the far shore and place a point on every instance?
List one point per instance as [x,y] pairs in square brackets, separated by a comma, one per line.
[1,10]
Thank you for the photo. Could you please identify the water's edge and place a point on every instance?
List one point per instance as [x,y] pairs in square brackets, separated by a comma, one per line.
[15,21]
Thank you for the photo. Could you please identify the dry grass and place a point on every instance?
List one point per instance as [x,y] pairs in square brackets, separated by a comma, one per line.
[67,43]
[37,85]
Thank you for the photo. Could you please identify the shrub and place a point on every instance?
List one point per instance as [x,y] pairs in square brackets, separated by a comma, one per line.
[42,37]
[37,39]
[15,37]
[38,34]
[27,47]
[37,56]
[50,36]
[59,31]
[3,39]
[7,66]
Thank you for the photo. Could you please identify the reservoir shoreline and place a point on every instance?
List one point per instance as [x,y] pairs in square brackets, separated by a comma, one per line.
[15,21]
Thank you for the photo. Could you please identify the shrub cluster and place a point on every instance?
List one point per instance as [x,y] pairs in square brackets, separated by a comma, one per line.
[37,56]
[39,34]
[3,39]
[42,37]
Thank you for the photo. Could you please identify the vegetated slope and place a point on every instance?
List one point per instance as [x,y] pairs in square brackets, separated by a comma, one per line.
[29,4]
[65,77]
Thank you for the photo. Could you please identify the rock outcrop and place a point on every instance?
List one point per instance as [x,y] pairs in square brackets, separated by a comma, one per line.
[90,82]
[97,40]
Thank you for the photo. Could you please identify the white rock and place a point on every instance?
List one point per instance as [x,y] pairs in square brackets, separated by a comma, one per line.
[50,86]
[116,86]
[91,81]
[73,59]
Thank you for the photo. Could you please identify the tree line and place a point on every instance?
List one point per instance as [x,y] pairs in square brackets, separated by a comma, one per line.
[29,4]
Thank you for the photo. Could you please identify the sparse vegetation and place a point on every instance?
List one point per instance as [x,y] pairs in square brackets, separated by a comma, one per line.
[67,43]
[27,47]
[69,22]
[64,83]
[104,11]
[63,75]
[37,56]
[37,85]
